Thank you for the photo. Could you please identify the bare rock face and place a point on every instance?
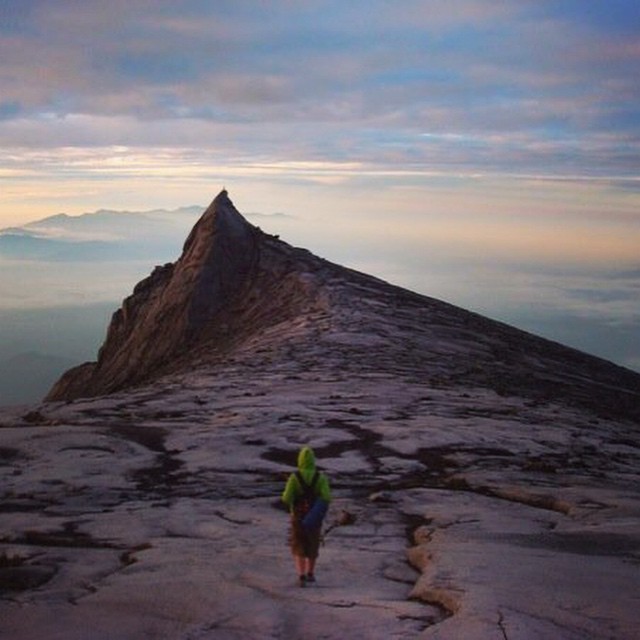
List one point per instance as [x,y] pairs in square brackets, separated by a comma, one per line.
[236,290]
[182,305]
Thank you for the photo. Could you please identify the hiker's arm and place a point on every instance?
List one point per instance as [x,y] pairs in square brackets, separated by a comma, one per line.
[290,491]
[323,488]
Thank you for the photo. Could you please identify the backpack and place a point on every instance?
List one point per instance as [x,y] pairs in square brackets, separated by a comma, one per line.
[309,509]
[304,503]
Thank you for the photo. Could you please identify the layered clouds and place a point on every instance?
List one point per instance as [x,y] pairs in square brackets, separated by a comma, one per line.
[540,89]
[483,151]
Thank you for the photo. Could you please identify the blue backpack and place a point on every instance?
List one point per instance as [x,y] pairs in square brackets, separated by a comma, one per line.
[310,509]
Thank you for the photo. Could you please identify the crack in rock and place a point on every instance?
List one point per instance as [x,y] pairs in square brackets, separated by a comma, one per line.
[501,625]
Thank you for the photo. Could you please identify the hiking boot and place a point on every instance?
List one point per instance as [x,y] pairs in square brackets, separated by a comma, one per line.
[302,581]
[310,578]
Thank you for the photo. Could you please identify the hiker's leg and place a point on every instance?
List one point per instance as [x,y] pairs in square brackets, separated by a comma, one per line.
[311,551]
[300,565]
[296,539]
[310,565]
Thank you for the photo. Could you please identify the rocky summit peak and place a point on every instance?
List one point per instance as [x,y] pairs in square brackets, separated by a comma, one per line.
[168,311]
[221,219]
[236,292]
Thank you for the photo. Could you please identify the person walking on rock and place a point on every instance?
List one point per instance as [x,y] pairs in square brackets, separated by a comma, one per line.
[307,495]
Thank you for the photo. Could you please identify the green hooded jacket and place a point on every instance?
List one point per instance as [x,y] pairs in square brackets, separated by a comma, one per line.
[307,467]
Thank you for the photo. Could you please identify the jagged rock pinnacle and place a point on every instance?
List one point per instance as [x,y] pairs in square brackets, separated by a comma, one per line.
[169,310]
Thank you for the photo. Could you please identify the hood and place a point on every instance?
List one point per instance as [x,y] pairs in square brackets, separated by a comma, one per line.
[306,459]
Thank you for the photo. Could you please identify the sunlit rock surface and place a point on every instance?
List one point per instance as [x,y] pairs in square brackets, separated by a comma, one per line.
[485,480]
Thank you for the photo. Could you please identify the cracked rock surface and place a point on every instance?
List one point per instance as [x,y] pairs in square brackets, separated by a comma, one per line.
[154,513]
[485,481]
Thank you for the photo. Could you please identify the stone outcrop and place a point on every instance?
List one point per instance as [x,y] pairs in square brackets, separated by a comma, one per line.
[198,303]
[168,310]
[236,288]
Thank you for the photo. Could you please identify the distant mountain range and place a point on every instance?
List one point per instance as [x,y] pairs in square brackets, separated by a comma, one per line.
[102,235]
[105,235]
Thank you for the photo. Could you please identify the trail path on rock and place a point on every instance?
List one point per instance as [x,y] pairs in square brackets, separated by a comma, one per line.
[156,512]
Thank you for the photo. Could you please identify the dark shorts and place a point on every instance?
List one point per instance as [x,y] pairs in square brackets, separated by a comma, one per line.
[303,543]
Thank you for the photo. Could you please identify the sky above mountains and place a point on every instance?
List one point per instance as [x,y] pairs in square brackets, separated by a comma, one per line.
[486,152]
[148,103]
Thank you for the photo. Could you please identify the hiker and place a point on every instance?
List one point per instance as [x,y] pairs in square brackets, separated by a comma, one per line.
[307,495]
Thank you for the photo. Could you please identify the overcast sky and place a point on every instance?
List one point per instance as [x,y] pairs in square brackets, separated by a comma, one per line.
[163,100]
[499,129]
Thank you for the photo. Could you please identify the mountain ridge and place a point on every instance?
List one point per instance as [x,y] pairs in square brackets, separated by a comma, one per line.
[234,283]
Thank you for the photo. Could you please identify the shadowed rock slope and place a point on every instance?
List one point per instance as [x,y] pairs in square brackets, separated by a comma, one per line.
[236,292]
